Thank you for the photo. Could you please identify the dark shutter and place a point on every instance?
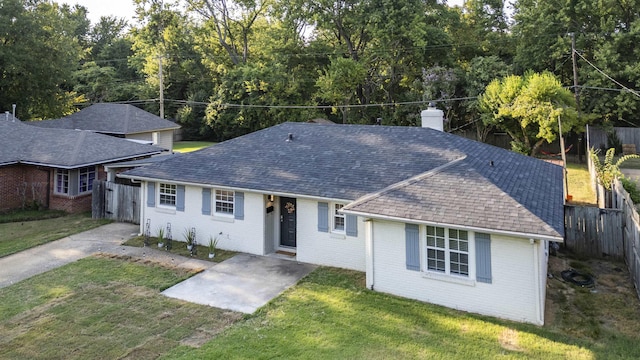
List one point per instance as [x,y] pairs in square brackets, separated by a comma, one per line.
[323,217]
[412,240]
[483,258]
[180,197]
[352,225]
[206,201]
[151,194]
[238,205]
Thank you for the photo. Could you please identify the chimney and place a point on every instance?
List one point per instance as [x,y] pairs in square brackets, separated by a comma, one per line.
[433,118]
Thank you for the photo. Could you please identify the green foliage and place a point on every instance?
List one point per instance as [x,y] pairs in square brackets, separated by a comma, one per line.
[609,169]
[632,188]
[40,48]
[528,108]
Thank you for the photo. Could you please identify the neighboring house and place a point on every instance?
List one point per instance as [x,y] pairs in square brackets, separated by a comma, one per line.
[120,120]
[426,214]
[55,168]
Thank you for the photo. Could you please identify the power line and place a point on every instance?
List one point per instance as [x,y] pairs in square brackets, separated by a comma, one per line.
[608,77]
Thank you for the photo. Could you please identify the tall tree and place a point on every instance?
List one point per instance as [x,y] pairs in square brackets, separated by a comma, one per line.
[232,21]
[528,108]
[39,52]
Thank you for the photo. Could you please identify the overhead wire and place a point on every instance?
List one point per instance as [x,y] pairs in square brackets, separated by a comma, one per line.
[607,75]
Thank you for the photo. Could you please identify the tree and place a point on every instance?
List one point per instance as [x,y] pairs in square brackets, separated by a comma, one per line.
[232,23]
[39,51]
[528,109]
[338,82]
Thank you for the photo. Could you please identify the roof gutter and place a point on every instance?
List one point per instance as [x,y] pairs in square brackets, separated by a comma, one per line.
[222,187]
[472,228]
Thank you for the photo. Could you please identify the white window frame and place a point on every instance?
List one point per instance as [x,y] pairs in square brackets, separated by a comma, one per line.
[226,200]
[89,185]
[454,242]
[166,192]
[64,175]
[338,219]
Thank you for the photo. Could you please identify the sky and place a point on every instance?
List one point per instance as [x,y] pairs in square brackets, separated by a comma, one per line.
[126,8]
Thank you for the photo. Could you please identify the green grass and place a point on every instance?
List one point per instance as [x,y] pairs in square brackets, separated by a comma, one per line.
[188,146]
[330,315]
[102,308]
[180,248]
[579,184]
[29,215]
[18,236]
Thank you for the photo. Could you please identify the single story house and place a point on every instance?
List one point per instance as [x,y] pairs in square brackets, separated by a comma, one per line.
[55,168]
[426,214]
[119,120]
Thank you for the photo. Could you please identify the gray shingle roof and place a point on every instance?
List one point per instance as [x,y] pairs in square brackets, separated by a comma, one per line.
[118,119]
[63,148]
[517,193]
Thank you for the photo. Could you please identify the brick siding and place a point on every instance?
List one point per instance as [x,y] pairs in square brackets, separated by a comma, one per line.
[22,185]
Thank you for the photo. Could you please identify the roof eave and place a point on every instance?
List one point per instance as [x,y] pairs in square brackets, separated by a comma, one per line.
[89,163]
[236,188]
[558,238]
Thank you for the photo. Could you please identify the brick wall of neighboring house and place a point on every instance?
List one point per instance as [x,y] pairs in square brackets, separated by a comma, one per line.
[72,204]
[22,186]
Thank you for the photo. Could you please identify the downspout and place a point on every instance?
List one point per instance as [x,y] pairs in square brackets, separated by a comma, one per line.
[536,267]
[369,263]
[49,187]
[143,205]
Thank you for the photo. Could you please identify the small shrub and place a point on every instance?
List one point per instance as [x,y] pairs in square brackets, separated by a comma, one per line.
[632,188]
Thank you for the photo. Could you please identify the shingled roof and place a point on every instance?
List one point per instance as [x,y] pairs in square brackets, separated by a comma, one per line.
[61,148]
[400,172]
[116,119]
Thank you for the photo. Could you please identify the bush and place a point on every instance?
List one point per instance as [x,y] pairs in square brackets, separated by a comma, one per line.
[631,187]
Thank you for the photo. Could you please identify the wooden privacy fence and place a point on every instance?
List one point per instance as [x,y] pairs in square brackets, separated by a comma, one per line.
[115,201]
[594,231]
[631,243]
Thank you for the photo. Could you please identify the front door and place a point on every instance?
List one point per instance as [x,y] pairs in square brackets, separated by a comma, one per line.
[288,222]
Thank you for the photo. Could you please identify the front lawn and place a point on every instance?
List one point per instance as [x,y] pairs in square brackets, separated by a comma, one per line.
[102,308]
[105,307]
[330,315]
[22,235]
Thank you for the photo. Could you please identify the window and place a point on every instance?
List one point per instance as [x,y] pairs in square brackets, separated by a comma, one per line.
[224,202]
[447,251]
[62,181]
[167,194]
[86,177]
[338,218]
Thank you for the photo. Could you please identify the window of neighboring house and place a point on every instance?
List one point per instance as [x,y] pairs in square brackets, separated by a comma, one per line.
[338,218]
[447,251]
[167,194]
[85,179]
[62,181]
[224,202]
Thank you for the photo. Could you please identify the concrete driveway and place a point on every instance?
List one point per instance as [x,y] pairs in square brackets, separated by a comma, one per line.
[30,262]
[243,283]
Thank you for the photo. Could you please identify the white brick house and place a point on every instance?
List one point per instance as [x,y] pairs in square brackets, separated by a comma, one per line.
[426,214]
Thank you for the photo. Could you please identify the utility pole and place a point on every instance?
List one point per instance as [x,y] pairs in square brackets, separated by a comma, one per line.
[161,88]
[576,90]
[564,161]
